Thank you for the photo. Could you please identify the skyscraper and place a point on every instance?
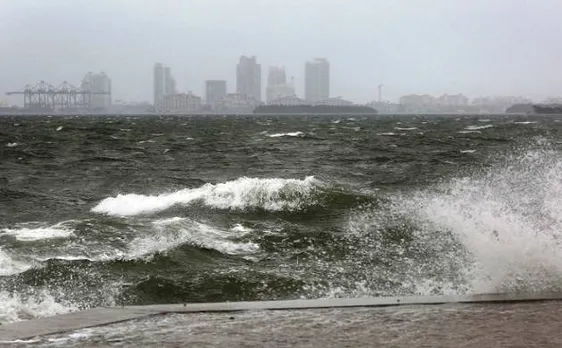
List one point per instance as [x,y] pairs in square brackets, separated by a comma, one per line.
[158,83]
[277,86]
[215,90]
[317,80]
[169,82]
[248,77]
[276,76]
[164,83]
[100,86]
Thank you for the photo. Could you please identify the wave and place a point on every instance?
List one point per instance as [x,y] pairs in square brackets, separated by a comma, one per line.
[173,232]
[471,128]
[498,230]
[26,234]
[240,194]
[16,307]
[290,134]
[9,266]
[148,239]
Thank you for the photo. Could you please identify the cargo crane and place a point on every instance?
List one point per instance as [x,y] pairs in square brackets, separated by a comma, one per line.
[46,97]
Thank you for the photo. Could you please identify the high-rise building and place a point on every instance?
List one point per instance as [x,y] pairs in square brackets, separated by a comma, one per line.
[158,83]
[317,80]
[276,76]
[169,82]
[100,86]
[164,83]
[248,77]
[277,86]
[215,90]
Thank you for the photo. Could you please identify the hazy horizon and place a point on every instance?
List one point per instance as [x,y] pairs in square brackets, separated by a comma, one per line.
[477,47]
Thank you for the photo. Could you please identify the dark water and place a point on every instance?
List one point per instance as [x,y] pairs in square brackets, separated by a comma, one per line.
[110,210]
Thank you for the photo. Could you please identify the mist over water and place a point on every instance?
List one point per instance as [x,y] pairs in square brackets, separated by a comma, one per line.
[107,211]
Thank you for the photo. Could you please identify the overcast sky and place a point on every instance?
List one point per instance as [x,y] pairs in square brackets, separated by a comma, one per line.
[475,47]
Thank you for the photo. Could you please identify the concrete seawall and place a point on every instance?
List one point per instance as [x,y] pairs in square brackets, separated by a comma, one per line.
[110,315]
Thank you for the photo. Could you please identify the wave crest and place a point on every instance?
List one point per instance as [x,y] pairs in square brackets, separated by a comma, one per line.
[240,194]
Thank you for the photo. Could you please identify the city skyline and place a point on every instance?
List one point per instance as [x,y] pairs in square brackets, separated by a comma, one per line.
[478,48]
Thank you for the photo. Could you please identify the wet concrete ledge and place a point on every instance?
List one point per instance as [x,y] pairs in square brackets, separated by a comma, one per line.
[110,315]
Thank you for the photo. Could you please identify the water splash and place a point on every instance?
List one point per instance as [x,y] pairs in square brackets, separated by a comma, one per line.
[9,266]
[16,307]
[495,230]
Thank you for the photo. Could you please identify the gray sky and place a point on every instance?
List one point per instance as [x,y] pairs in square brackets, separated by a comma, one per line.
[475,47]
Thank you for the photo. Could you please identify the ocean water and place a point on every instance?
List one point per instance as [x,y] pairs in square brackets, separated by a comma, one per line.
[142,210]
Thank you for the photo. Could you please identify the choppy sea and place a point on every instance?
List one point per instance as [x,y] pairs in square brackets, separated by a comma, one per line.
[111,210]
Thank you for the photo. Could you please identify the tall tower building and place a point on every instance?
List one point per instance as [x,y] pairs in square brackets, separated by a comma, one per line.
[169,82]
[317,80]
[248,77]
[100,86]
[158,83]
[164,83]
[215,90]
[277,86]
[276,76]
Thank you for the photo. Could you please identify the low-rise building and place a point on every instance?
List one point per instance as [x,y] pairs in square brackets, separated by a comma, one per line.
[180,103]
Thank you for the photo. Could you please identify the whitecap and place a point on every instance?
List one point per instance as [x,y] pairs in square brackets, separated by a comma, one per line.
[39,233]
[240,194]
[9,266]
[173,232]
[290,134]
[241,230]
[14,307]
[479,127]
[12,144]
[468,151]
[406,128]
[525,122]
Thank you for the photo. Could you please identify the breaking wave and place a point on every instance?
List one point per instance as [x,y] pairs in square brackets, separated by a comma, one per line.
[9,266]
[27,234]
[240,194]
[16,307]
[174,232]
[496,230]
